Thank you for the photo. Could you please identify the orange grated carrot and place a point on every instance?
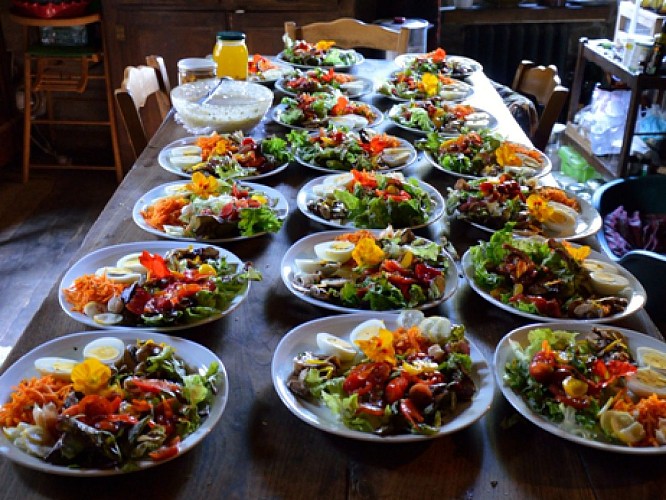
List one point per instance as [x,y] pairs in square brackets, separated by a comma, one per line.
[164,211]
[31,392]
[91,288]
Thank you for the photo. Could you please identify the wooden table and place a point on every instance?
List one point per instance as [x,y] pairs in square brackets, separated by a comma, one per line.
[260,450]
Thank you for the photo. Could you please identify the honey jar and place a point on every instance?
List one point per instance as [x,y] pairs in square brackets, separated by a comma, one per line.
[231,55]
[195,68]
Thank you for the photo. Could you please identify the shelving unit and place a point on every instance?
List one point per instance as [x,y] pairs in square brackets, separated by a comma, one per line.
[648,22]
[596,51]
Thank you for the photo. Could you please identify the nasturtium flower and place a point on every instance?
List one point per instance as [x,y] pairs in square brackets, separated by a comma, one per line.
[324,44]
[539,208]
[380,347]
[506,155]
[202,185]
[430,84]
[437,55]
[579,254]
[91,376]
[367,253]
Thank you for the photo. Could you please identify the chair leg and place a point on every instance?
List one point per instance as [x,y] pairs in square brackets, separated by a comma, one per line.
[27,120]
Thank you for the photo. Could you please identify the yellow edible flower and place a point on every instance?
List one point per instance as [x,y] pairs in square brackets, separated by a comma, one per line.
[506,155]
[430,84]
[579,254]
[539,208]
[367,253]
[324,44]
[91,376]
[222,147]
[260,198]
[202,185]
[379,348]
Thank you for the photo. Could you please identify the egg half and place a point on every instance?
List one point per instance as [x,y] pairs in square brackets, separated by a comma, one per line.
[108,350]
[608,283]
[118,274]
[60,368]
[653,358]
[562,219]
[331,345]
[647,381]
[131,262]
[366,330]
[336,251]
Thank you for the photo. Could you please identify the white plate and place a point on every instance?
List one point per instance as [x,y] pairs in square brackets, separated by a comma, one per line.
[504,354]
[403,144]
[444,94]
[403,60]
[302,338]
[165,163]
[588,222]
[71,346]
[636,295]
[304,249]
[545,170]
[276,114]
[337,67]
[367,86]
[281,207]
[108,256]
[395,110]
[306,194]
[282,69]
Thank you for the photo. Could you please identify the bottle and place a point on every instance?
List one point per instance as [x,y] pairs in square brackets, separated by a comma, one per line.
[230,54]
[195,68]
[653,61]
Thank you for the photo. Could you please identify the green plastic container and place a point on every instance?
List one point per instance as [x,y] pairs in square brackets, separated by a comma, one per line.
[575,166]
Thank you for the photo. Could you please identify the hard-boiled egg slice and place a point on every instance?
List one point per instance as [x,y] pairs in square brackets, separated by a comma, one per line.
[108,350]
[336,251]
[310,266]
[653,358]
[410,317]
[436,328]
[599,265]
[646,381]
[366,330]
[562,219]
[331,345]
[352,122]
[118,274]
[60,368]
[185,151]
[131,262]
[608,283]
[107,319]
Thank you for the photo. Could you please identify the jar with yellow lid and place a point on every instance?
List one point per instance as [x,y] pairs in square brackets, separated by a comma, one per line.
[195,68]
[231,55]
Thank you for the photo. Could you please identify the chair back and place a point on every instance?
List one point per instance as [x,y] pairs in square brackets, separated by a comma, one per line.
[164,95]
[138,85]
[544,85]
[351,33]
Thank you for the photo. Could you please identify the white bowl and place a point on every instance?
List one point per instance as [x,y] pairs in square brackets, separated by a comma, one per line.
[234,105]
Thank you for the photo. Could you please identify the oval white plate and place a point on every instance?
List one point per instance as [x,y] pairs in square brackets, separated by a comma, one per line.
[305,194]
[393,116]
[413,155]
[165,154]
[636,296]
[337,67]
[302,338]
[282,69]
[504,354]
[588,222]
[108,256]
[276,116]
[71,346]
[462,86]
[545,170]
[403,61]
[304,248]
[282,208]
[367,86]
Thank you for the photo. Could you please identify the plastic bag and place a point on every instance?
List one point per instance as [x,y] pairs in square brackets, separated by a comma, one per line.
[604,119]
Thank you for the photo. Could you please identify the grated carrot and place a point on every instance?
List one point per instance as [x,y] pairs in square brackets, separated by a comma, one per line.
[647,412]
[164,211]
[31,392]
[91,288]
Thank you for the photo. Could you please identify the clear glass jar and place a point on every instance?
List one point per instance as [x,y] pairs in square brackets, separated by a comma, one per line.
[231,55]
[195,68]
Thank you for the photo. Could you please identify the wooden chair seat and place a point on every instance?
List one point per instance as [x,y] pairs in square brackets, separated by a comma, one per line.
[351,33]
[544,86]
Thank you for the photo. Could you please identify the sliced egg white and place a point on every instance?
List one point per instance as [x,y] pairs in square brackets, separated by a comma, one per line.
[410,317]
[562,220]
[309,266]
[608,283]
[60,368]
[118,274]
[108,350]
[185,151]
[336,251]
[352,122]
[107,319]
[366,330]
[646,381]
[131,262]
[653,358]
[331,345]
[599,265]
[185,161]
[436,328]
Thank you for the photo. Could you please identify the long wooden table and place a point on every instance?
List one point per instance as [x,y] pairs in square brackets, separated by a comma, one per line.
[260,450]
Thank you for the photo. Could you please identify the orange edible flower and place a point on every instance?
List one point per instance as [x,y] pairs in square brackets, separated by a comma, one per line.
[324,44]
[579,254]
[437,55]
[367,252]
[379,348]
[91,376]
[202,185]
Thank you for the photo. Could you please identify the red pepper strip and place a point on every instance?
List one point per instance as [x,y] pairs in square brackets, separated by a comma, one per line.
[156,265]
[154,386]
[141,405]
[164,453]
[370,409]
[410,412]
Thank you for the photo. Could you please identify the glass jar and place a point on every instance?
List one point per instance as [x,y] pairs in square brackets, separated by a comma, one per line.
[230,54]
[195,68]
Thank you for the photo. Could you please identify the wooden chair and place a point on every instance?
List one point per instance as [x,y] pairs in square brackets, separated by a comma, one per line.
[138,85]
[544,85]
[351,33]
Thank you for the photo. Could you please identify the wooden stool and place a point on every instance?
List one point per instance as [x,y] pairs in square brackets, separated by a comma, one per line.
[64,69]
